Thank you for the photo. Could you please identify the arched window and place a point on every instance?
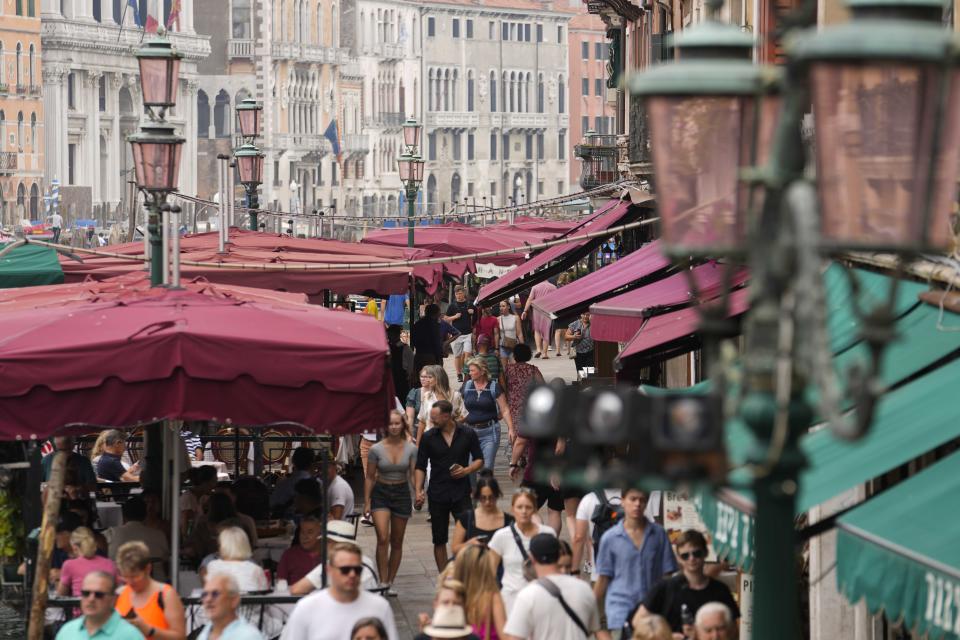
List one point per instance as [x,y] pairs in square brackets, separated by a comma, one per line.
[203,114]
[30,63]
[431,194]
[402,99]
[21,200]
[3,130]
[470,90]
[561,94]
[126,103]
[334,27]
[240,19]
[363,30]
[513,92]
[34,202]
[454,88]
[493,91]
[455,188]
[19,55]
[33,133]
[221,115]
[20,131]
[504,91]
[540,93]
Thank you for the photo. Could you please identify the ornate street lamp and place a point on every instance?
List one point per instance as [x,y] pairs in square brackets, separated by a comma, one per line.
[410,167]
[249,161]
[249,119]
[886,103]
[159,75]
[411,136]
[711,116]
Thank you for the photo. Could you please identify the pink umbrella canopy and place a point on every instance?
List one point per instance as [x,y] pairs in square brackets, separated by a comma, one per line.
[458,239]
[188,355]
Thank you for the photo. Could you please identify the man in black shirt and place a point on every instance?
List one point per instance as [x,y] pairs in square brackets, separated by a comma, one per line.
[448,448]
[461,314]
[691,587]
[109,467]
[426,341]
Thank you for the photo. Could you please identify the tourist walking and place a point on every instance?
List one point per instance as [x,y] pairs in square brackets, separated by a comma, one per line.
[461,314]
[484,606]
[331,613]
[390,467]
[369,629]
[449,623]
[511,332]
[579,335]
[450,592]
[56,226]
[538,291]
[448,450]
[220,599]
[153,607]
[689,589]
[479,525]
[434,386]
[401,360]
[485,404]
[554,606]
[100,619]
[519,377]
[425,339]
[632,557]
[510,546]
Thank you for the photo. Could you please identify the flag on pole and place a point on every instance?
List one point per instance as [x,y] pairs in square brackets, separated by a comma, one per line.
[136,12]
[174,16]
[333,135]
[152,25]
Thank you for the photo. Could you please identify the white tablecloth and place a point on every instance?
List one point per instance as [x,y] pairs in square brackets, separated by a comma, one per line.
[110,514]
[220,466]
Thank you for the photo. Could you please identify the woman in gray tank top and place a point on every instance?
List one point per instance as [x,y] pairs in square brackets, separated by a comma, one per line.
[387,494]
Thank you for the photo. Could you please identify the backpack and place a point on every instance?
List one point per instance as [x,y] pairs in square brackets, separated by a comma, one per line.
[606,515]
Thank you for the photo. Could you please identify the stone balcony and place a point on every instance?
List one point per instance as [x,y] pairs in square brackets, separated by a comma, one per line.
[453,120]
[356,143]
[308,53]
[389,51]
[107,38]
[386,120]
[313,142]
[241,49]
[525,121]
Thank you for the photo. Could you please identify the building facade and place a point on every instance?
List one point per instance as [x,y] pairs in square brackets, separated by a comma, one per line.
[591,109]
[21,112]
[91,93]
[495,97]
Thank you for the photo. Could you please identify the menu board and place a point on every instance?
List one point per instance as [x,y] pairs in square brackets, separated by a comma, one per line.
[679,515]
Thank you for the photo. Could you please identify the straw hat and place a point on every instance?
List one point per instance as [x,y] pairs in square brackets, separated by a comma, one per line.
[341,531]
[448,622]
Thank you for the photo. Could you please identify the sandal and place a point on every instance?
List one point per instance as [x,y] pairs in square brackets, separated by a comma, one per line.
[536,355]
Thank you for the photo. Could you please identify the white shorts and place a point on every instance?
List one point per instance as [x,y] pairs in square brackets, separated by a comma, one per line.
[462,344]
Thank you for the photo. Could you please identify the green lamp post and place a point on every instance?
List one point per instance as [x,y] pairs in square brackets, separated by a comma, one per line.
[411,171]
[730,167]
[250,167]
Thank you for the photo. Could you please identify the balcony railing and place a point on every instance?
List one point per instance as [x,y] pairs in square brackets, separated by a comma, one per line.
[355,143]
[308,53]
[4,87]
[21,89]
[8,161]
[391,51]
[300,141]
[599,155]
[240,49]
[453,119]
[35,89]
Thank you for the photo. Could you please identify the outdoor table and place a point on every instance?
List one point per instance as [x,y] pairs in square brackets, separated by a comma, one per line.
[110,514]
[220,466]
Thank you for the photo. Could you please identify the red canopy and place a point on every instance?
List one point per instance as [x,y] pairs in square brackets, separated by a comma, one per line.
[183,354]
[458,239]
[660,331]
[524,276]
[134,284]
[619,318]
[530,223]
[630,269]
[248,252]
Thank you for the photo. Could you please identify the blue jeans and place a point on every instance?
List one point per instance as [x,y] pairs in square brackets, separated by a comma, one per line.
[489,443]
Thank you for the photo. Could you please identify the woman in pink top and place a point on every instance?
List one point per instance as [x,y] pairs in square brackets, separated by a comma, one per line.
[83,549]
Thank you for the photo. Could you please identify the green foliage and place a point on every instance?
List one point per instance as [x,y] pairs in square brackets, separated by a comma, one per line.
[11,525]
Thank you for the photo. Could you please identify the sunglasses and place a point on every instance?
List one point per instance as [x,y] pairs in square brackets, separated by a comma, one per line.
[699,554]
[355,569]
[213,595]
[99,595]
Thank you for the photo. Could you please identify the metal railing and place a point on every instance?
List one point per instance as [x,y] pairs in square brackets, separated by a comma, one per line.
[240,48]
[8,161]
[599,154]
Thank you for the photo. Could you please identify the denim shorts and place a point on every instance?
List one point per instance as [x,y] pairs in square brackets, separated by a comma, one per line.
[394,498]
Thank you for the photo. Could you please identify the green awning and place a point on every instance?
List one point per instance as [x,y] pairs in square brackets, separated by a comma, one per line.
[899,552]
[29,265]
[728,516]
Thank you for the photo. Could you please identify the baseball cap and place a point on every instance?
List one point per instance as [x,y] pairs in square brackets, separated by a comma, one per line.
[545,548]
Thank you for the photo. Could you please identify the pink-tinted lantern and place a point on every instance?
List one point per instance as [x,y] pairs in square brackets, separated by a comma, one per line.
[411,136]
[411,170]
[156,157]
[159,73]
[249,164]
[249,117]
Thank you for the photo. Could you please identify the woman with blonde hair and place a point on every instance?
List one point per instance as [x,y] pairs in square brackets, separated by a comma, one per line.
[153,607]
[235,553]
[83,560]
[483,604]
[485,402]
[651,627]
[99,446]
[435,386]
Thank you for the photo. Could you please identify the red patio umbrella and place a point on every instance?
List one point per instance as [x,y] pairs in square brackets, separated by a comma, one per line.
[183,354]
[457,239]
[133,284]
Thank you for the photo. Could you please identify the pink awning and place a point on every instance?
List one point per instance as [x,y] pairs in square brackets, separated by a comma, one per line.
[534,270]
[458,239]
[619,318]
[640,264]
[660,331]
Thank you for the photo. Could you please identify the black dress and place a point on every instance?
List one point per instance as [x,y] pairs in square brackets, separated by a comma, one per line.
[470,524]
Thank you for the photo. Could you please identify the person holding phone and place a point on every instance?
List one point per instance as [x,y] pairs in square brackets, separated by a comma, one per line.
[448,449]
[479,525]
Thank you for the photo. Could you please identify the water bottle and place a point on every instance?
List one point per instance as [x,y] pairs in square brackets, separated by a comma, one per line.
[686,618]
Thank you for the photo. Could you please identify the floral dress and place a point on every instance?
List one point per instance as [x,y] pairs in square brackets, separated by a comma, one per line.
[520,375]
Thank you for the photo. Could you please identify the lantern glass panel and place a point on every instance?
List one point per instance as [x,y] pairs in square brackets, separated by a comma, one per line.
[405,167]
[157,165]
[875,130]
[699,146]
[418,170]
[158,80]
[411,135]
[250,169]
[249,122]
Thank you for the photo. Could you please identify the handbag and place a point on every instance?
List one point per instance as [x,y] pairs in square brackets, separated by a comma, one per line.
[505,342]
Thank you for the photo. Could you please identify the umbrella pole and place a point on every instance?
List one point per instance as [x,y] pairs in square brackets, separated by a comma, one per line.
[324,462]
[45,549]
[175,516]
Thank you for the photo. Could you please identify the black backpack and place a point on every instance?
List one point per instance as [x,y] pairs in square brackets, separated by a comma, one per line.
[605,516]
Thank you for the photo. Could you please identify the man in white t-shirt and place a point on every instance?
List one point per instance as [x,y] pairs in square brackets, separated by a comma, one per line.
[339,495]
[583,531]
[330,614]
[555,606]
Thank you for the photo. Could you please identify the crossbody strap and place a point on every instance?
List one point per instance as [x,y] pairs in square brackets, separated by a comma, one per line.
[554,590]
[516,538]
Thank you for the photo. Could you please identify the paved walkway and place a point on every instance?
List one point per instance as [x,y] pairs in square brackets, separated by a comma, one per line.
[417,578]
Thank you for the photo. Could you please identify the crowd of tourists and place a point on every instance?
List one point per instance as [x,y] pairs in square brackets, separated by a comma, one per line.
[503,574]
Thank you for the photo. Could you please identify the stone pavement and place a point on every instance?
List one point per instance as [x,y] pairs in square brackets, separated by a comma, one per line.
[417,578]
